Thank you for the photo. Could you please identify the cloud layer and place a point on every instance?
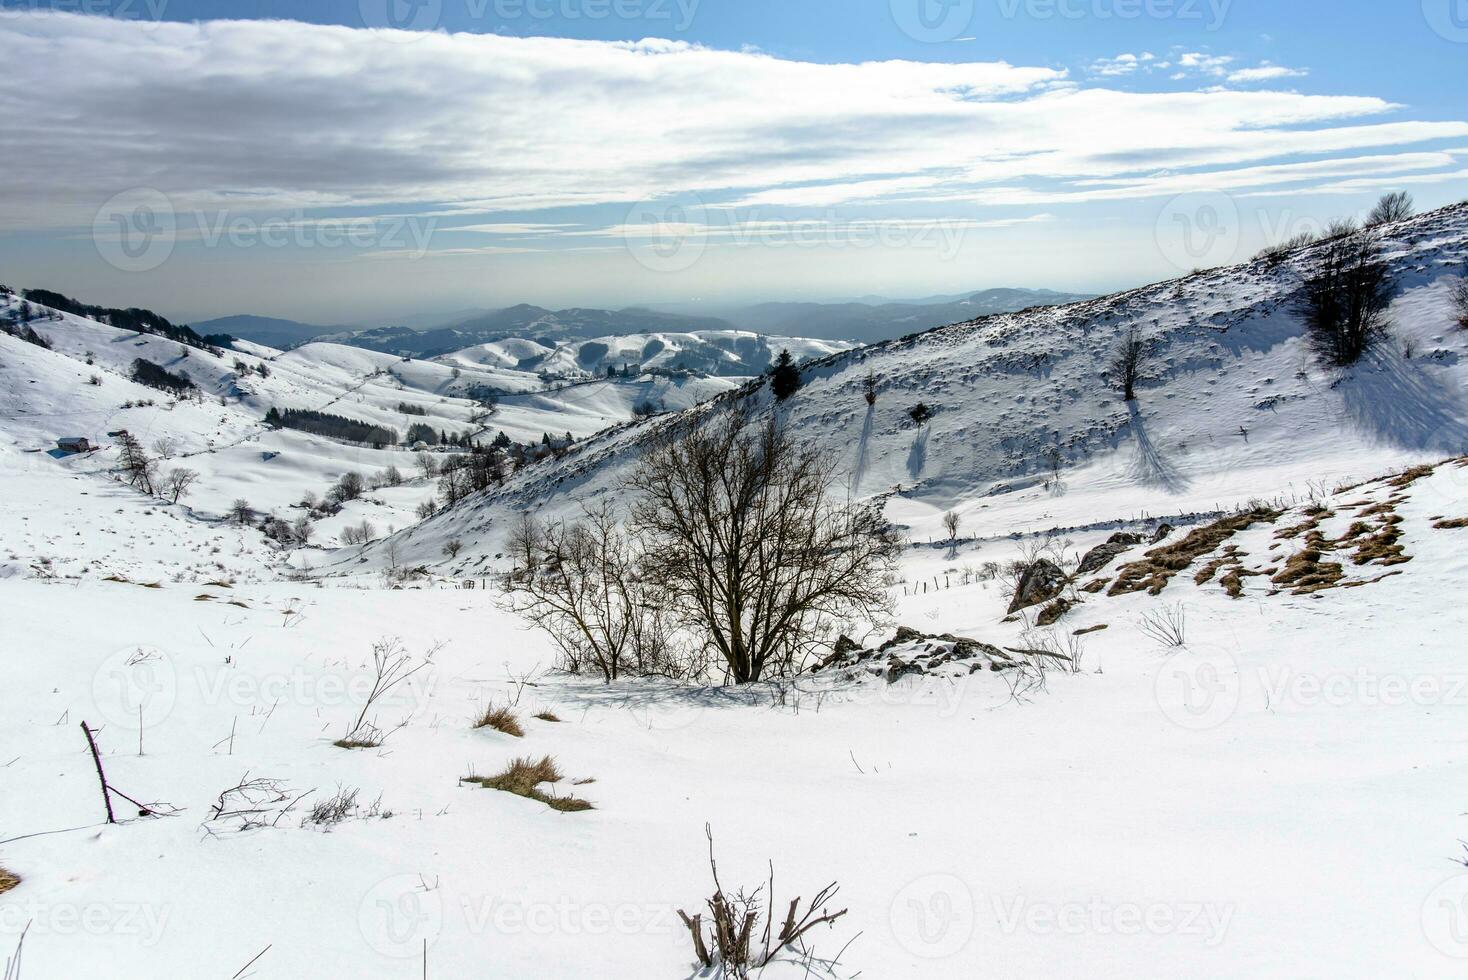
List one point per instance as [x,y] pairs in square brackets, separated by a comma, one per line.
[272,115]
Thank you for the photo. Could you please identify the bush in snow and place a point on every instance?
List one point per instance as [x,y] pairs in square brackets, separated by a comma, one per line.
[1344,303]
[1396,206]
[1459,298]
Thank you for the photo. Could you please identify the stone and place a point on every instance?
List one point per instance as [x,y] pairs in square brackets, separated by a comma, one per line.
[1040,582]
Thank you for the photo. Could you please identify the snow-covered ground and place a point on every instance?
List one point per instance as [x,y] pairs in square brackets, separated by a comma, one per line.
[1279,795]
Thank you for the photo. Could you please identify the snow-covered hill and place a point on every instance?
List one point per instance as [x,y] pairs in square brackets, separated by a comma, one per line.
[1024,416]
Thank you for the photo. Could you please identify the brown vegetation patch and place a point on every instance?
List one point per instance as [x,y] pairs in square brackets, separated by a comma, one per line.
[1091,629]
[546,716]
[501,720]
[1054,611]
[523,777]
[1095,585]
[1406,478]
[1157,567]
[1451,523]
[8,880]
[1305,572]
[1233,580]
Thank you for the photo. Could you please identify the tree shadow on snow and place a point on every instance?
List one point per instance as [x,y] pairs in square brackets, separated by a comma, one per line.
[1405,403]
[918,454]
[859,471]
[1149,466]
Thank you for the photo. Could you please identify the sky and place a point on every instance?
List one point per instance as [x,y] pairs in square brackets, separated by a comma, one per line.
[360,161]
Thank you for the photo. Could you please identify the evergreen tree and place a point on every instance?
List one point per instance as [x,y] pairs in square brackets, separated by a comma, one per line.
[784,376]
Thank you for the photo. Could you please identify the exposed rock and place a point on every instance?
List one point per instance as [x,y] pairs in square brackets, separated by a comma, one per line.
[912,652]
[1053,611]
[1125,538]
[1040,582]
[1101,556]
[1163,530]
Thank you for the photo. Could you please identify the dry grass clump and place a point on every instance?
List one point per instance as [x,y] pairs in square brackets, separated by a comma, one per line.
[357,743]
[8,880]
[1054,611]
[546,716]
[1452,523]
[1095,585]
[501,720]
[1157,567]
[1305,572]
[524,776]
[1406,478]
[1380,544]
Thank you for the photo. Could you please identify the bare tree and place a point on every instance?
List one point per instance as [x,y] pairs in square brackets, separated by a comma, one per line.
[1126,364]
[1458,296]
[241,511]
[745,547]
[579,582]
[950,523]
[139,469]
[427,464]
[165,446]
[869,388]
[1344,303]
[179,481]
[1396,206]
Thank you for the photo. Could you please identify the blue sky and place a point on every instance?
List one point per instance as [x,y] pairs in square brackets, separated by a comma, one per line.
[332,170]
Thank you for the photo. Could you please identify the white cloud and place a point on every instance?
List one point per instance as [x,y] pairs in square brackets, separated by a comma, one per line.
[275,115]
[1265,73]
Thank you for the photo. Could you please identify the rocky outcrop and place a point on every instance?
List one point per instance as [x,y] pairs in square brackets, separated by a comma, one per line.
[1040,582]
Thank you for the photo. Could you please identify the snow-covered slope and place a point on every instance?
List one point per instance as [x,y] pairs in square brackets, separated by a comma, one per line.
[1234,405]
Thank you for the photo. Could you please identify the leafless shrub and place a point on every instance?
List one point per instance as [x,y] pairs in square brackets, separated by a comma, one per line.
[1396,206]
[951,520]
[729,943]
[1458,296]
[165,446]
[1344,303]
[427,464]
[742,542]
[251,804]
[329,812]
[452,547]
[178,482]
[391,666]
[1167,625]
[1126,364]
[580,583]
[241,512]
[356,534]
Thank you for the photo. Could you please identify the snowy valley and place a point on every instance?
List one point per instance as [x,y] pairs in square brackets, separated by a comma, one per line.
[1170,686]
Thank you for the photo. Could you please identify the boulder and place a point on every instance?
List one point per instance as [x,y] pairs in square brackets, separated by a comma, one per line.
[1041,581]
[1163,530]
[1100,556]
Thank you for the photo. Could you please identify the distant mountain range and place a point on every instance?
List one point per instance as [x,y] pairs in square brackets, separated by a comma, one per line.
[864,321]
